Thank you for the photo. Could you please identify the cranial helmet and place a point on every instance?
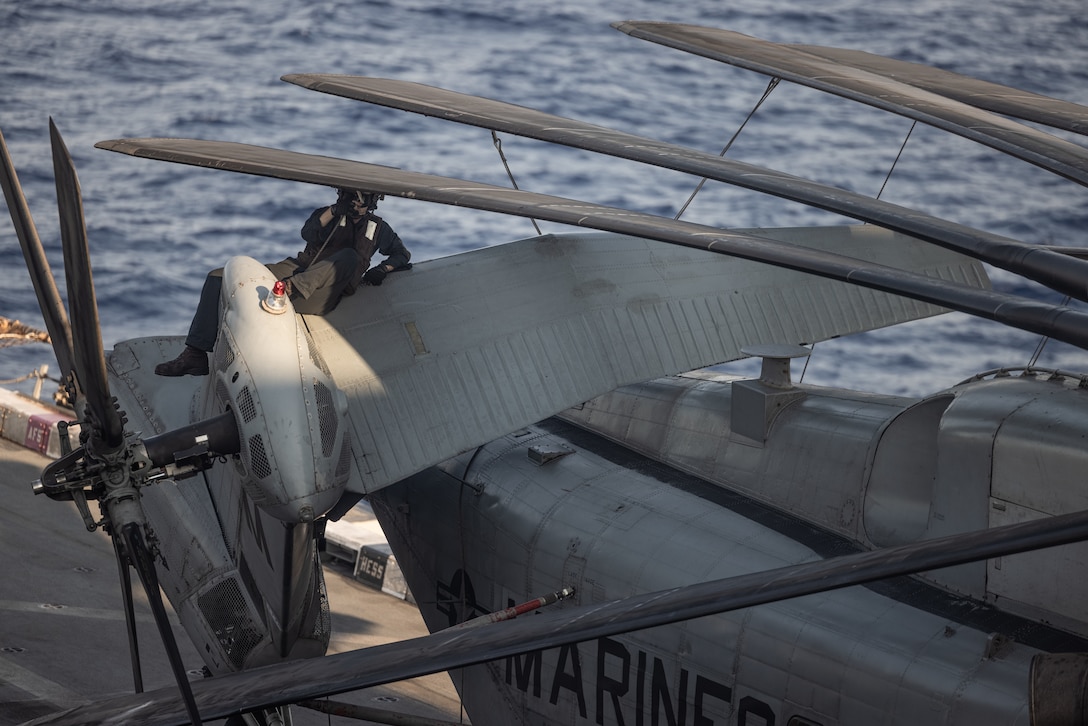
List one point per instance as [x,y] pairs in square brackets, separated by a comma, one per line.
[369,199]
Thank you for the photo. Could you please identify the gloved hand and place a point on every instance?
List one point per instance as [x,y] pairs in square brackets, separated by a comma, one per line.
[375,275]
[343,203]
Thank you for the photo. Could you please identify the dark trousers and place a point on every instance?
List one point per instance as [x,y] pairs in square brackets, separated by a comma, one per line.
[316,291]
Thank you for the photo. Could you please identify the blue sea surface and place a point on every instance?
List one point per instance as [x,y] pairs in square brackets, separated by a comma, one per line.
[106,69]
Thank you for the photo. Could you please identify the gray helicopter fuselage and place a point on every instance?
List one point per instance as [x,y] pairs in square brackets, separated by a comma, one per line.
[686,498]
[883,470]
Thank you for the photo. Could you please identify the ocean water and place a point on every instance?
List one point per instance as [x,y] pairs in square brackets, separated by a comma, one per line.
[107,69]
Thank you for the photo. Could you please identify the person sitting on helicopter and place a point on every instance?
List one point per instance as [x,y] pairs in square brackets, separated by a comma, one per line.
[340,241]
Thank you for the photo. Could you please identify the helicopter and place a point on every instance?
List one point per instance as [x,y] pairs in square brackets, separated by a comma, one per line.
[533,423]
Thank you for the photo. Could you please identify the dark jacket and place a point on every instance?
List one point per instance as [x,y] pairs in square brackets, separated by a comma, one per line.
[366,235]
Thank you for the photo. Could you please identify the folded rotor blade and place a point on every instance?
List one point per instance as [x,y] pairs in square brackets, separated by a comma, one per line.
[792,64]
[459,647]
[130,617]
[45,286]
[1044,266]
[1058,322]
[132,533]
[89,358]
[989,96]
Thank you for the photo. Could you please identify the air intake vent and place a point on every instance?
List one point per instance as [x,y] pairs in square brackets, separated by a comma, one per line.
[318,614]
[228,616]
[326,417]
[259,467]
[246,406]
[224,355]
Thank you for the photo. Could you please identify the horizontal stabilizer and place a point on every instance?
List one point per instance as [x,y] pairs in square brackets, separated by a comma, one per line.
[464,349]
[1031,261]
[880,91]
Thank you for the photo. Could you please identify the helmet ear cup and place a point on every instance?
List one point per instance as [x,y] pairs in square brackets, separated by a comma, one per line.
[369,199]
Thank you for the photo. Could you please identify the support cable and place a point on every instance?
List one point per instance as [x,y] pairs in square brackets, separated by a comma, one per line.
[505,163]
[804,369]
[770,87]
[1043,341]
[892,168]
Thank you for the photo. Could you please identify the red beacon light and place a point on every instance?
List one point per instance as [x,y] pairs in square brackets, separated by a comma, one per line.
[275,302]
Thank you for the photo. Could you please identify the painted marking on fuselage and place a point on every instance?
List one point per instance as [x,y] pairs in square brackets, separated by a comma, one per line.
[457,600]
[654,702]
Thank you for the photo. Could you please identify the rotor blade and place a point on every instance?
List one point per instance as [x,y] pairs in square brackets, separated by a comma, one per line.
[989,96]
[130,617]
[1078,252]
[1044,266]
[783,61]
[1058,322]
[145,567]
[458,647]
[45,286]
[89,358]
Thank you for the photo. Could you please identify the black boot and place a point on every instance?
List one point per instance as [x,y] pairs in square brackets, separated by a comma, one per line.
[191,362]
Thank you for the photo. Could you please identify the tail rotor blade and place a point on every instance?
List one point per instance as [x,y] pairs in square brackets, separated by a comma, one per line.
[130,617]
[45,286]
[145,567]
[89,359]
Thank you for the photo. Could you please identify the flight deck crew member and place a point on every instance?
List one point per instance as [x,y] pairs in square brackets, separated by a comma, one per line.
[340,241]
